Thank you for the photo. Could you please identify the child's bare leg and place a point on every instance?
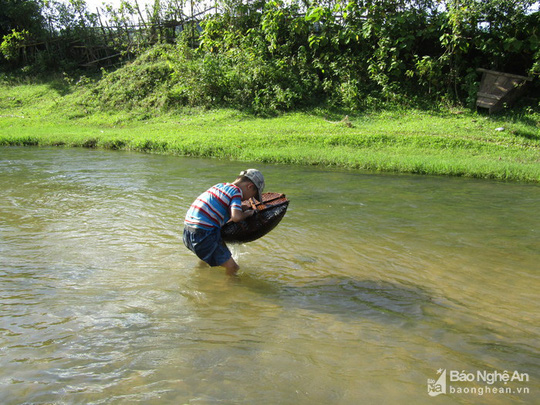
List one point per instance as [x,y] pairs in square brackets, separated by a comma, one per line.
[230,267]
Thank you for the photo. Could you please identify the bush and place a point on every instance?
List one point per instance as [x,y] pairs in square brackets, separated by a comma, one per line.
[140,84]
[273,57]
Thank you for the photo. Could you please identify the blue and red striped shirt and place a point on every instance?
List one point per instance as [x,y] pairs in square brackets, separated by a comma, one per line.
[212,209]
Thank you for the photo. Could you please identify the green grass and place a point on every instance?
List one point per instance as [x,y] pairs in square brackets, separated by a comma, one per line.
[412,141]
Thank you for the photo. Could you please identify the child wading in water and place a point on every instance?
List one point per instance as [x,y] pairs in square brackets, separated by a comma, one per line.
[213,209]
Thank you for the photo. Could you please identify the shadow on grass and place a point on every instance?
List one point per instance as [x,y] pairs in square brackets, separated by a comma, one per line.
[528,135]
[61,87]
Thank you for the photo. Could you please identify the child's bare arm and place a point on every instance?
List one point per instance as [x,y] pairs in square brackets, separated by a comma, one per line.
[237,215]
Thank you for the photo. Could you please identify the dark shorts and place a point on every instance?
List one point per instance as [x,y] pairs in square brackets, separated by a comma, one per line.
[207,245]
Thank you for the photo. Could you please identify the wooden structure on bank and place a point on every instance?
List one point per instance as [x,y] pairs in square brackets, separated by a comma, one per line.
[498,89]
[113,43]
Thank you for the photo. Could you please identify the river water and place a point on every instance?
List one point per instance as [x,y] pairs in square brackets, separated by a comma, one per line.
[371,286]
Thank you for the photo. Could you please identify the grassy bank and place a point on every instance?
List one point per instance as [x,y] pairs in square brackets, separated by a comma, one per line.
[413,141]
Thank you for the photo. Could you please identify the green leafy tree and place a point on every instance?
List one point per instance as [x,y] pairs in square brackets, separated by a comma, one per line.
[21,15]
[12,43]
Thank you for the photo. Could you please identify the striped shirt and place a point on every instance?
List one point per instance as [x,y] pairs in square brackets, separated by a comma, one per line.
[212,209]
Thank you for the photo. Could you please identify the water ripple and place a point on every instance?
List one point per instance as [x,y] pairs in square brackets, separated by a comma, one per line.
[367,287]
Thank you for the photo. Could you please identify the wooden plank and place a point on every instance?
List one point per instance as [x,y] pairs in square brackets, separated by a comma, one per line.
[101,59]
[498,89]
[493,72]
[489,96]
[483,104]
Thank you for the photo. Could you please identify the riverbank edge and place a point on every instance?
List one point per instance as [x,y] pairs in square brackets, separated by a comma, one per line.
[257,149]
[405,141]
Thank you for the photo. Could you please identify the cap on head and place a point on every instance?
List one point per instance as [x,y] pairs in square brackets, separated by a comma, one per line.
[257,178]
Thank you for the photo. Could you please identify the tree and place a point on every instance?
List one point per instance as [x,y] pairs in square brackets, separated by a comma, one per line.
[20,15]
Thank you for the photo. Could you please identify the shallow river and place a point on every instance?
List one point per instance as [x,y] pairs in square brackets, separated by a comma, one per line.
[371,286]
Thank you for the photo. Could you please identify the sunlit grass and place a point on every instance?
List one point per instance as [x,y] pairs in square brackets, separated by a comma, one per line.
[412,141]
